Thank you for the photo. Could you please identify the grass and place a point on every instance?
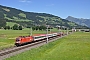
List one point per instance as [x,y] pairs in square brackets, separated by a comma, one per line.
[7,37]
[22,15]
[72,47]
[10,24]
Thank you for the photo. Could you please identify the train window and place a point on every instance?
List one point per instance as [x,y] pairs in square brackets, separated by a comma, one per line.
[39,37]
[17,39]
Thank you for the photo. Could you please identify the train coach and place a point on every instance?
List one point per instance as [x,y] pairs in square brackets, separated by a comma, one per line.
[26,39]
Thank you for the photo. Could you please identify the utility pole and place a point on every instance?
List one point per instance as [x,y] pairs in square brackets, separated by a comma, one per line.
[63,29]
[50,29]
[59,28]
[67,31]
[31,32]
[47,35]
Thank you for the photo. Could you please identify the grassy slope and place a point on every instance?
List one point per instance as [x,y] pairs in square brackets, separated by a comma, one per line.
[10,24]
[73,47]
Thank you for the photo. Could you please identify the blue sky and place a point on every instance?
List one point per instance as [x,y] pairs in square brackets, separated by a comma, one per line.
[61,8]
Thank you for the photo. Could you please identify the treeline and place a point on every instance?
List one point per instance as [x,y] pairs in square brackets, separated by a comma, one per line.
[38,27]
[3,25]
[15,27]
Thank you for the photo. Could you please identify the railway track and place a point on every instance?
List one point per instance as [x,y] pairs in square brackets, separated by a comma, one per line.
[5,54]
[19,48]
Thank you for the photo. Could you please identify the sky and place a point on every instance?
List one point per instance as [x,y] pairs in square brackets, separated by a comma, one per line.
[61,8]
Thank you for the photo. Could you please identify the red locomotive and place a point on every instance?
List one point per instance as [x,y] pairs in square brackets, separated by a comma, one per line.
[26,39]
[23,39]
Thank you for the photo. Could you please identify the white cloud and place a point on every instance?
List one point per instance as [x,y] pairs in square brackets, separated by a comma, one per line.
[25,1]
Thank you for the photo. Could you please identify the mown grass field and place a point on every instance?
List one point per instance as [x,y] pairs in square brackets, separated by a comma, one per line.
[75,46]
[7,37]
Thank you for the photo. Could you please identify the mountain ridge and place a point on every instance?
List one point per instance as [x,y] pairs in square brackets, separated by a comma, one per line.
[80,21]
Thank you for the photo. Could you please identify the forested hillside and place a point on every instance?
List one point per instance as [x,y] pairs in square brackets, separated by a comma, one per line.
[28,19]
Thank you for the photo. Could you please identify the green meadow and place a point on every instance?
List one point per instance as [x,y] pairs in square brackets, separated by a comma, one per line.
[75,46]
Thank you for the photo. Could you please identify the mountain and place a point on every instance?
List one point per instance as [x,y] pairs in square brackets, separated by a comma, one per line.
[80,21]
[28,19]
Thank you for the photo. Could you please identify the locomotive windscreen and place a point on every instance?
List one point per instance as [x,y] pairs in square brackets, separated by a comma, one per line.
[17,39]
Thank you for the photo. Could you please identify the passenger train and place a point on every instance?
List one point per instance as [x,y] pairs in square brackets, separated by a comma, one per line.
[26,39]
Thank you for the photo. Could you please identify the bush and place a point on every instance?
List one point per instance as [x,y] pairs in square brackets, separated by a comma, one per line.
[15,27]
[20,27]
